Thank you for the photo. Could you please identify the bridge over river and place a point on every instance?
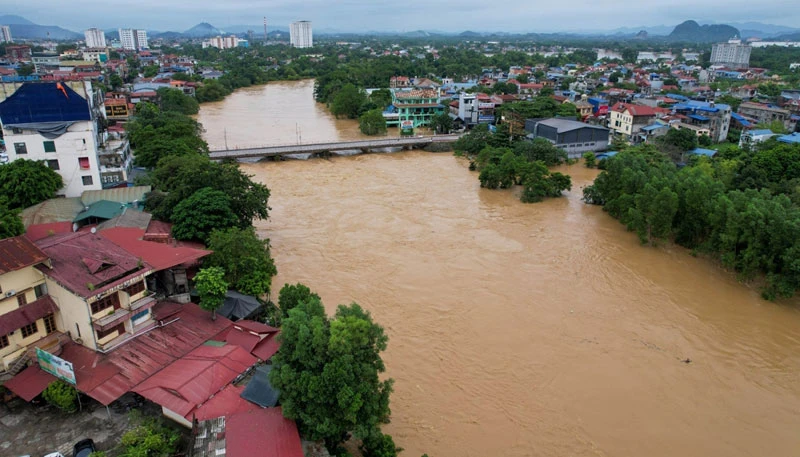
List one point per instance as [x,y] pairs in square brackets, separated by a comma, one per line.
[415,142]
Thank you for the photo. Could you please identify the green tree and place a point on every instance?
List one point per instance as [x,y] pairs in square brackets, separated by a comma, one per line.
[473,142]
[729,100]
[150,71]
[567,110]
[204,211]
[175,100]
[682,139]
[542,150]
[382,98]
[27,182]
[10,222]
[177,177]
[150,437]
[652,213]
[372,123]
[26,70]
[155,134]
[61,395]
[245,257]
[328,373]
[547,92]
[442,123]
[292,295]
[704,140]
[211,91]
[212,288]
[348,102]
[590,160]
[115,80]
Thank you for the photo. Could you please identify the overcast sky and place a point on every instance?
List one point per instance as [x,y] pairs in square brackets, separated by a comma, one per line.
[401,15]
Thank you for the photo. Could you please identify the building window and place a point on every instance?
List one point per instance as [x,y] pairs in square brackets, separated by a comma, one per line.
[30,329]
[140,316]
[134,289]
[50,146]
[87,180]
[104,333]
[22,300]
[105,302]
[83,162]
[20,148]
[40,290]
[53,164]
[16,130]
[49,324]
[3,341]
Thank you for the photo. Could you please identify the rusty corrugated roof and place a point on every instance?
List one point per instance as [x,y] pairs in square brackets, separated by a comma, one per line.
[19,252]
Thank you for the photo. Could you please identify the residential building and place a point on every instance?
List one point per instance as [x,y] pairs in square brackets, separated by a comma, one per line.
[300,34]
[45,62]
[399,82]
[628,119]
[29,318]
[733,54]
[715,118]
[416,107]
[51,122]
[751,137]
[95,38]
[764,114]
[574,137]
[18,53]
[133,39]
[649,132]
[220,42]
[5,34]
[697,129]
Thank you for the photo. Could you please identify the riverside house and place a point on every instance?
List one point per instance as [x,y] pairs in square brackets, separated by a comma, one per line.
[416,107]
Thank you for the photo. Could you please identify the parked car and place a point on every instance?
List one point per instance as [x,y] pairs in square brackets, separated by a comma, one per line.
[3,157]
[83,448]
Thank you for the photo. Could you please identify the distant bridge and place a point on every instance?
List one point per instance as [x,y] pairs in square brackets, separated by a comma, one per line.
[325,148]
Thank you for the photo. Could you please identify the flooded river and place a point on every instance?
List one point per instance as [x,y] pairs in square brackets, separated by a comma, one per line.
[521,330]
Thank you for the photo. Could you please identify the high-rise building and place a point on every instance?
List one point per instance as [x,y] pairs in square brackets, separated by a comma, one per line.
[5,34]
[733,54]
[95,38]
[133,39]
[300,34]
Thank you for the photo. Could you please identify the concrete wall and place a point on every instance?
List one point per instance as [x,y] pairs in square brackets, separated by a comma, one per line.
[22,282]
[74,314]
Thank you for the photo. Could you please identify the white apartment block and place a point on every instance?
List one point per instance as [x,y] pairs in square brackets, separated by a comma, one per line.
[300,34]
[95,38]
[220,42]
[5,34]
[133,39]
[734,54]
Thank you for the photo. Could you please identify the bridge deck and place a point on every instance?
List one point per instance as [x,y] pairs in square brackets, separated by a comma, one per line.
[272,151]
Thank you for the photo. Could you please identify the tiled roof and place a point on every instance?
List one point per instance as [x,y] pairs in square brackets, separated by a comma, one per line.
[635,110]
[17,253]
[416,93]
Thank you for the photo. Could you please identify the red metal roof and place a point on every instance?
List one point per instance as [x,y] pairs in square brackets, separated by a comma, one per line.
[242,338]
[267,347]
[30,382]
[193,379]
[159,255]
[27,314]
[73,254]
[227,402]
[17,253]
[635,110]
[262,432]
[255,326]
[38,231]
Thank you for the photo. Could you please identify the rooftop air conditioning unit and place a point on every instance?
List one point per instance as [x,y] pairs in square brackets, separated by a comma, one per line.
[11,293]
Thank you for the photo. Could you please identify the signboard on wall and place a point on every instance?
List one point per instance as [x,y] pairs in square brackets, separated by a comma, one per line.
[407,124]
[56,366]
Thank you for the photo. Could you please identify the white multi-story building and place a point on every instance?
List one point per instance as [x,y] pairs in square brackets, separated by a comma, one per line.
[300,34]
[95,38]
[5,34]
[133,39]
[220,42]
[53,123]
[733,54]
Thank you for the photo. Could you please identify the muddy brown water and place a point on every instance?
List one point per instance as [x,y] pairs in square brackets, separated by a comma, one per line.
[521,330]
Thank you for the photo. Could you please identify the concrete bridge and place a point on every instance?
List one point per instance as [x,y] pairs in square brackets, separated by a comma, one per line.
[414,142]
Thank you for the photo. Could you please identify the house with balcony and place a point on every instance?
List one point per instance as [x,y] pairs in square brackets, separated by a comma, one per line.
[29,317]
[765,114]
[713,118]
[99,287]
[416,107]
[628,119]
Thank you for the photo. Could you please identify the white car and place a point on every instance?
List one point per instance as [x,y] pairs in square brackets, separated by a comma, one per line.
[3,157]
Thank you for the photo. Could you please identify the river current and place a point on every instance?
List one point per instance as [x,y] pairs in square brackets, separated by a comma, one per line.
[519,329]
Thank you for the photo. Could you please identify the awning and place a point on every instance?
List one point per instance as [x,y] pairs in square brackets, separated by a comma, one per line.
[238,306]
[26,314]
[698,117]
[30,382]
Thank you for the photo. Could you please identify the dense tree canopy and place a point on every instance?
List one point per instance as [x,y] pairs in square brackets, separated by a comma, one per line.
[175,100]
[328,373]
[27,182]
[10,222]
[204,211]
[212,288]
[156,134]
[292,295]
[372,123]
[348,102]
[244,257]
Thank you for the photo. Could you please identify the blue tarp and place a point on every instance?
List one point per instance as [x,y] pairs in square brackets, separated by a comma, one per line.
[43,102]
[698,117]
[677,97]
[606,155]
[794,138]
[652,127]
[259,390]
[703,152]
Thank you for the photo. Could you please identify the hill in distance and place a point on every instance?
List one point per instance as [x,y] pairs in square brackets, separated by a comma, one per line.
[692,31]
[22,28]
[202,30]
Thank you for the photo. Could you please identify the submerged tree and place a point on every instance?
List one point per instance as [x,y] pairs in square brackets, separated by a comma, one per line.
[212,288]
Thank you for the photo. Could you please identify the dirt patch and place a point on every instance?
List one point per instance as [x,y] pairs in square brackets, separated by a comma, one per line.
[39,429]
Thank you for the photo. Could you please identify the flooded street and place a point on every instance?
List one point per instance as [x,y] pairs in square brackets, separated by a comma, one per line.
[521,330]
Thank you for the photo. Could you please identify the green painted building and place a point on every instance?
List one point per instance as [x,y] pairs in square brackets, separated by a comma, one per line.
[416,107]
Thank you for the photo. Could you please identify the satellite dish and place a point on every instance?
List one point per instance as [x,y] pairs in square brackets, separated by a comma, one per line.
[94,229]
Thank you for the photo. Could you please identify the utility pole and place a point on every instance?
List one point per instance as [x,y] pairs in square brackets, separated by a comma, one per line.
[265,30]
[225,133]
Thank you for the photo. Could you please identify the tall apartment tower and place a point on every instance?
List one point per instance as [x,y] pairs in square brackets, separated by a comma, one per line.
[95,38]
[300,34]
[5,34]
[133,39]
[733,54]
